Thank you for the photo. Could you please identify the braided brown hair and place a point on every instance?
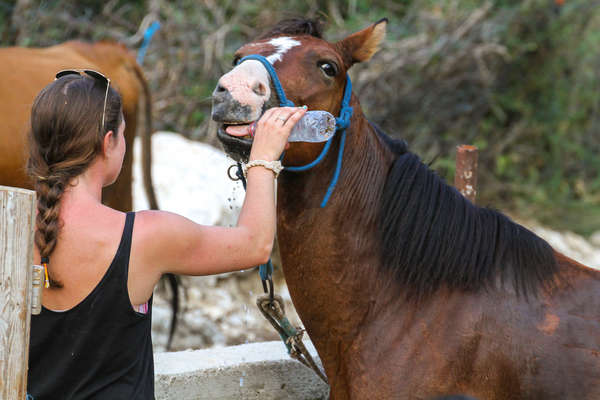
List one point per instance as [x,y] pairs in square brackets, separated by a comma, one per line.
[65,137]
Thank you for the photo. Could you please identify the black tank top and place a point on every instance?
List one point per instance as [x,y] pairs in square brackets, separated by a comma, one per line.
[99,349]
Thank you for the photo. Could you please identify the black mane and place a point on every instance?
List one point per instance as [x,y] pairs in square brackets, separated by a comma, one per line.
[295,26]
[433,237]
[397,146]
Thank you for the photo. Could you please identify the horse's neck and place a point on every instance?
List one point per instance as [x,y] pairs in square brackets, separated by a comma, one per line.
[366,160]
[329,254]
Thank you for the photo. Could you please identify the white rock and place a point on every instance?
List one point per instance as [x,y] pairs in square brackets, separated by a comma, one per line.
[190,179]
[595,239]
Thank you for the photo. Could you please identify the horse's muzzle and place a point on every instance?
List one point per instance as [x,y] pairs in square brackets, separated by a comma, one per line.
[228,111]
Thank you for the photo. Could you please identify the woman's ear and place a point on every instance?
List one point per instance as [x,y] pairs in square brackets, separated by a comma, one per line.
[108,143]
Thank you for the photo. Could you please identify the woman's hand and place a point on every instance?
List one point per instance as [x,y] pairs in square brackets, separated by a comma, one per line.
[272,132]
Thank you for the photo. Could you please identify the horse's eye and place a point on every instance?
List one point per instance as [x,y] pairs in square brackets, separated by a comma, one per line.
[235,61]
[328,68]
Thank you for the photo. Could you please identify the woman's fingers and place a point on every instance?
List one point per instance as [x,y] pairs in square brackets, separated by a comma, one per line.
[273,130]
[295,117]
[278,115]
[276,118]
[285,113]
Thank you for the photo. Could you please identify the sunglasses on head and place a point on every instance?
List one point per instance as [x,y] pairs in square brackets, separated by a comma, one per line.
[94,74]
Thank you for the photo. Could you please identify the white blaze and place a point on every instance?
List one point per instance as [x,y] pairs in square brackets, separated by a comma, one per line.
[244,77]
[282,45]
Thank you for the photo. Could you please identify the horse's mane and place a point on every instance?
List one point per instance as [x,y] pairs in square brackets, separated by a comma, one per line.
[295,26]
[397,146]
[433,237]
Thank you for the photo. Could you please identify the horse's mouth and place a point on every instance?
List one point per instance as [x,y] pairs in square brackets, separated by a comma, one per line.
[241,130]
[236,138]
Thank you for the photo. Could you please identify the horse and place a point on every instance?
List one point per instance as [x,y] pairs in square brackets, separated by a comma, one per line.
[406,288]
[27,70]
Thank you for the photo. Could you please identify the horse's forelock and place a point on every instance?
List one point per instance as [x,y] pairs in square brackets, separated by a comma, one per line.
[295,26]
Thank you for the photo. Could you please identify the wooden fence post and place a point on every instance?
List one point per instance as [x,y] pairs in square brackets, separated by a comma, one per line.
[17,218]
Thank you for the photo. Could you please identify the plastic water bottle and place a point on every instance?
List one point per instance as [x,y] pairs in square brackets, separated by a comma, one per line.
[314,126]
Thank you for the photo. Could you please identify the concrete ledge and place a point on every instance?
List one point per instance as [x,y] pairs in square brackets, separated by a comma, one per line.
[251,371]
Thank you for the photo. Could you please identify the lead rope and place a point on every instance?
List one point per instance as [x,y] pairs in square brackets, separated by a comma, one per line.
[272,308]
[269,304]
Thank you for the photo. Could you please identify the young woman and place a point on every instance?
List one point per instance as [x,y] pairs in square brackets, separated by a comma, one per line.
[92,339]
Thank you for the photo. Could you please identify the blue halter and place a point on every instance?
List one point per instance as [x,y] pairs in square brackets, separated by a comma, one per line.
[341,123]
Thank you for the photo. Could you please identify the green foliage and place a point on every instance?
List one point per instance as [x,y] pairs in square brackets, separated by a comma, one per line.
[552,84]
[531,103]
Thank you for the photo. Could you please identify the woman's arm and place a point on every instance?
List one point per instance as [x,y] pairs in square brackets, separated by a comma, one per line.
[172,243]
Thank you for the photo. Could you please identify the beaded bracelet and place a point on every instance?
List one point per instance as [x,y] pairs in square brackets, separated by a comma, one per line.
[274,166]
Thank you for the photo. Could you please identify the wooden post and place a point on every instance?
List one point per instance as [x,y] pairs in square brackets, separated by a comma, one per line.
[465,177]
[17,218]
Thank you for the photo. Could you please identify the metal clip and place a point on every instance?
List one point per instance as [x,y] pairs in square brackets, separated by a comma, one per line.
[233,178]
[37,284]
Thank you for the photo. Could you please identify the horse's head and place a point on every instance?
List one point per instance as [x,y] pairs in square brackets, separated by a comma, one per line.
[312,72]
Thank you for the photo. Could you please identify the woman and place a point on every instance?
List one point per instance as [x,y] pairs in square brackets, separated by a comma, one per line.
[92,339]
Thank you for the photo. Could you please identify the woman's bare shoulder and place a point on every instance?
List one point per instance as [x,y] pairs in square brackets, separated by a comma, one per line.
[154,224]
[151,220]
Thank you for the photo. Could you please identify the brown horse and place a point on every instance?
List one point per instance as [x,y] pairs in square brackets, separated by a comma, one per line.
[406,288]
[25,71]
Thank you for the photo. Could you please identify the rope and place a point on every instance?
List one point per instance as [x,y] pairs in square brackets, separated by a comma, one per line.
[336,174]
[150,31]
[315,161]
[273,310]
[283,101]
[271,306]
[139,35]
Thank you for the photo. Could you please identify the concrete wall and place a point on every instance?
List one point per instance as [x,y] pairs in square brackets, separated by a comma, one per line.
[251,371]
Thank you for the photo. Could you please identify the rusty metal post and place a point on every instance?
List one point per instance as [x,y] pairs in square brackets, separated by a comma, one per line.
[465,177]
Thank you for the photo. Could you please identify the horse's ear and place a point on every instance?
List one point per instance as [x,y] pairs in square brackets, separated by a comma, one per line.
[361,46]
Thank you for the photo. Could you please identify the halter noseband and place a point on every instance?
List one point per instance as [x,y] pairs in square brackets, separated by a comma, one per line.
[341,123]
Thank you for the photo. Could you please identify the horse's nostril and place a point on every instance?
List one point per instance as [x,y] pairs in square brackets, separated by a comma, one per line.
[220,89]
[259,89]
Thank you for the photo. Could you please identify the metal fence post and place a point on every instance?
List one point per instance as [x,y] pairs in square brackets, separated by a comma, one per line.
[465,177]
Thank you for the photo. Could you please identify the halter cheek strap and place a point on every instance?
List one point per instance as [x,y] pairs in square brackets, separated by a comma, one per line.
[342,122]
